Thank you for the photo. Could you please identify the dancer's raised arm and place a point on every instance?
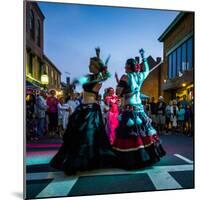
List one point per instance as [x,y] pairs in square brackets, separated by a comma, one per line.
[146,65]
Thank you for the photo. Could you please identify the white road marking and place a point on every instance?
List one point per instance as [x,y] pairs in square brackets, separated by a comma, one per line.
[163,180]
[100,172]
[184,158]
[58,187]
[62,184]
[44,175]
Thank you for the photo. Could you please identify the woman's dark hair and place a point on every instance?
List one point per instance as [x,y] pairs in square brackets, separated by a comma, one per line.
[131,62]
[99,62]
[110,88]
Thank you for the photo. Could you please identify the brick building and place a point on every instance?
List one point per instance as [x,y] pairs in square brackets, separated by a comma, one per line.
[177,73]
[37,63]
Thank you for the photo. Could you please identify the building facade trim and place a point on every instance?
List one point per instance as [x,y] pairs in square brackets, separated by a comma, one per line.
[171,26]
[49,61]
[177,82]
[179,43]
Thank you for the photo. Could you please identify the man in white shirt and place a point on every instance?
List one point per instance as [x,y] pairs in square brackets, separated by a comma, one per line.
[41,107]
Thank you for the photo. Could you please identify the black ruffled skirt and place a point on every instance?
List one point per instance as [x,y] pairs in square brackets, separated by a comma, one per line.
[85,142]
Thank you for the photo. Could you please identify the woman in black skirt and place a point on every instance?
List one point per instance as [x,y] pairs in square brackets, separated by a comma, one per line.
[85,142]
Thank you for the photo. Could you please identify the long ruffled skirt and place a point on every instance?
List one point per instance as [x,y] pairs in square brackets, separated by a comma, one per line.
[85,142]
[136,142]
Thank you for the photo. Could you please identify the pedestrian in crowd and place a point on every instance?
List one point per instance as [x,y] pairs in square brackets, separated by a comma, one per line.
[153,111]
[72,102]
[52,102]
[178,101]
[168,113]
[63,110]
[174,110]
[31,123]
[184,102]
[188,120]
[41,107]
[181,118]
[78,98]
[160,114]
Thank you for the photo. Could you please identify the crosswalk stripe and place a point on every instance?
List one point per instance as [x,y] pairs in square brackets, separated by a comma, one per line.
[58,187]
[62,184]
[163,180]
[184,158]
[100,172]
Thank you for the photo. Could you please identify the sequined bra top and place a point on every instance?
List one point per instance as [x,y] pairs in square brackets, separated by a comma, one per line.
[91,90]
[131,88]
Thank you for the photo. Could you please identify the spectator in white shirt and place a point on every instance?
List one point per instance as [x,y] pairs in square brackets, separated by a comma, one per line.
[63,113]
[41,107]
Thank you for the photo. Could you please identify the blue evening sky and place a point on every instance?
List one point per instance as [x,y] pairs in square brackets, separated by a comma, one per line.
[71,32]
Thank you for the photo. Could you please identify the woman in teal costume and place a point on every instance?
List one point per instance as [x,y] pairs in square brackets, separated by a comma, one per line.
[137,143]
[85,142]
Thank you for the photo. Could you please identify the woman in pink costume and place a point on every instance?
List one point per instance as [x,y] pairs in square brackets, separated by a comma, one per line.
[111,100]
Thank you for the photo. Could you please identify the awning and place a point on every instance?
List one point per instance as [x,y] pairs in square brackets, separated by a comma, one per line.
[31,85]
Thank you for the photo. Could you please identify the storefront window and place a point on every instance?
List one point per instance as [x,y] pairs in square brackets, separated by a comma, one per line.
[184,61]
[178,61]
[190,53]
[170,66]
[174,64]
[181,59]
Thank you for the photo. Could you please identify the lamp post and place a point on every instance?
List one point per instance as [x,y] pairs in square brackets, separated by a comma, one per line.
[45,80]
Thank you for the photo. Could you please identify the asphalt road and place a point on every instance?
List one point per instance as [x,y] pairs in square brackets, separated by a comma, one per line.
[174,171]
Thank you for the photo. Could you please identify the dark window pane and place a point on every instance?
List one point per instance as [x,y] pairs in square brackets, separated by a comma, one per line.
[174,64]
[190,53]
[179,60]
[32,24]
[170,66]
[38,33]
[30,64]
[183,49]
[40,70]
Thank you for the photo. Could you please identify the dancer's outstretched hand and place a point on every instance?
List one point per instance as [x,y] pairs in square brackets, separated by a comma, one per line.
[142,52]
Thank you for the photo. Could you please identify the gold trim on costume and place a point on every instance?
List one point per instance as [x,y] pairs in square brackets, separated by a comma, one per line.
[132,149]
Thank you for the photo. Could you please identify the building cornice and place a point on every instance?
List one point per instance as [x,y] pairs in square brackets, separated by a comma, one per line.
[39,10]
[49,61]
[171,26]
[179,43]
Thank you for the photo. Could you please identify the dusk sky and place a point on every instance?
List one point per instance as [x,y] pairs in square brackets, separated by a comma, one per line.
[71,33]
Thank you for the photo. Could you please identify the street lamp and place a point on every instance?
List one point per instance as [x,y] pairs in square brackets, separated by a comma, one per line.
[44,80]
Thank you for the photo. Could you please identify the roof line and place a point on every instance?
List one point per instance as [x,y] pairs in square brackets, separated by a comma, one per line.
[51,63]
[173,23]
[155,66]
[37,6]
